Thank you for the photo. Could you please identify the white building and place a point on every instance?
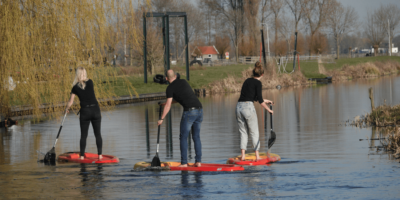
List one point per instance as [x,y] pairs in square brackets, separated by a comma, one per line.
[207,52]
[385,49]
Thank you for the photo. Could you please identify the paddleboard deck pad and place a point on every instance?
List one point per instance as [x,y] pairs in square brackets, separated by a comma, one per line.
[205,167]
[251,157]
[89,158]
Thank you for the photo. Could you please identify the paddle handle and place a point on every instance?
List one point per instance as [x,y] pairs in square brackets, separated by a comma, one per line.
[59,131]
[271,117]
[159,127]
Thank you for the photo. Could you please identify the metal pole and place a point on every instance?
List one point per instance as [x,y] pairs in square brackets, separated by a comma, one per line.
[295,50]
[147,132]
[125,46]
[263,48]
[164,43]
[144,48]
[170,132]
[187,49]
[268,43]
[389,49]
[167,40]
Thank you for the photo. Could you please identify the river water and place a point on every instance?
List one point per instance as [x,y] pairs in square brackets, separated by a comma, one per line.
[321,157]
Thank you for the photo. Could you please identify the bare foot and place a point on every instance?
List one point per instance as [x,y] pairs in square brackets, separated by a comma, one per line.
[243,158]
[198,164]
[81,158]
[257,159]
[100,157]
[185,165]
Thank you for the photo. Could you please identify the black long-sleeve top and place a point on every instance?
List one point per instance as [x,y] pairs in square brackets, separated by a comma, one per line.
[251,91]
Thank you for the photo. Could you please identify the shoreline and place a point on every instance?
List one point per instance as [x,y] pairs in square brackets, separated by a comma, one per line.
[233,83]
[18,112]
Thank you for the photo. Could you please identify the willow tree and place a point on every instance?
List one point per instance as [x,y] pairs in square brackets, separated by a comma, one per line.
[42,42]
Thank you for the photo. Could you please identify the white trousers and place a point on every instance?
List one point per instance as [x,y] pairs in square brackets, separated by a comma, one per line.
[246,117]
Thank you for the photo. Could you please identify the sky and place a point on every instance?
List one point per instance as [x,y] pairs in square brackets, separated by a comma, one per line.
[362,7]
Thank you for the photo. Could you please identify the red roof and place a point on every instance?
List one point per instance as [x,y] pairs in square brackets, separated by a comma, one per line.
[208,50]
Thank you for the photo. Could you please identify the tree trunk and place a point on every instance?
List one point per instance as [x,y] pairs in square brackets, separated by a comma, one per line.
[375,49]
[337,47]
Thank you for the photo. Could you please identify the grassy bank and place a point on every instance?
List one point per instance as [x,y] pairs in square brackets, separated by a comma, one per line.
[200,77]
[311,69]
[226,78]
[220,79]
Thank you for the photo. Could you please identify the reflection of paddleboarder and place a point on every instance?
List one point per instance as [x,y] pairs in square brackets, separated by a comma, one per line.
[192,115]
[246,115]
[90,110]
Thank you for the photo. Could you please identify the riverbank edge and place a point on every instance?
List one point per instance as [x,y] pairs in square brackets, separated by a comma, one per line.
[19,111]
[228,85]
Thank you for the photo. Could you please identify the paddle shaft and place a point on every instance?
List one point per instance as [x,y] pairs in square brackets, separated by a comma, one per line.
[59,131]
[271,117]
[159,127]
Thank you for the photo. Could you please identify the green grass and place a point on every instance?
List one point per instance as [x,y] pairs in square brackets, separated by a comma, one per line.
[198,79]
[310,69]
[354,61]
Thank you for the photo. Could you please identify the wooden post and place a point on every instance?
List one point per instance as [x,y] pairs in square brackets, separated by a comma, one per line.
[371,96]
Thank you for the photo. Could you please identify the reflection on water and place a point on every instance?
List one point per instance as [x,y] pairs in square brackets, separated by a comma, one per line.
[320,157]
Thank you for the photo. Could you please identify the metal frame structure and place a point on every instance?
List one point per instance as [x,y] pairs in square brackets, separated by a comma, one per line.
[165,28]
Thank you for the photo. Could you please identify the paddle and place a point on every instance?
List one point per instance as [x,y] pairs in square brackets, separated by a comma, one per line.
[50,156]
[272,139]
[156,160]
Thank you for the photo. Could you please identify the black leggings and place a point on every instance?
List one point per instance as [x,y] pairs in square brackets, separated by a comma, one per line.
[90,114]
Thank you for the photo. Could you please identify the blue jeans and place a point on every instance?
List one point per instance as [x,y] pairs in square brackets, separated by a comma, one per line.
[190,119]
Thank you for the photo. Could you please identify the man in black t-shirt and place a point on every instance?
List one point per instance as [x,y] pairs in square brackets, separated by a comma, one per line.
[192,116]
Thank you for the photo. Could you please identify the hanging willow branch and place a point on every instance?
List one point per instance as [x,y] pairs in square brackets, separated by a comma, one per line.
[42,42]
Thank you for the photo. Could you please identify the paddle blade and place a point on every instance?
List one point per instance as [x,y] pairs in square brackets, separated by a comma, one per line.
[156,161]
[272,139]
[50,156]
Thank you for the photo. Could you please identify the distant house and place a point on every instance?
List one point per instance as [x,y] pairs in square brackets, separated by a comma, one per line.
[384,48]
[203,52]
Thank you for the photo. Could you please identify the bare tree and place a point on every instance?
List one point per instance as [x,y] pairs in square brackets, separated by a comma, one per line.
[390,16]
[297,9]
[251,11]
[375,29]
[315,13]
[276,7]
[232,11]
[286,29]
[341,20]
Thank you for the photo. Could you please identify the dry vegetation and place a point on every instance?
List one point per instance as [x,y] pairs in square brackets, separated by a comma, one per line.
[388,119]
[364,70]
[43,41]
[270,80]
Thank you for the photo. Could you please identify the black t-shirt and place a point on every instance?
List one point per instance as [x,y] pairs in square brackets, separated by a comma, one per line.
[86,96]
[181,92]
[251,91]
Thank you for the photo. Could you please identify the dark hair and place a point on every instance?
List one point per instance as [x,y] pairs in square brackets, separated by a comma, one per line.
[258,70]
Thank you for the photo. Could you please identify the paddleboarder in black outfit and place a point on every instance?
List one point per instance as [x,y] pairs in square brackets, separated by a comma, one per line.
[89,112]
[192,116]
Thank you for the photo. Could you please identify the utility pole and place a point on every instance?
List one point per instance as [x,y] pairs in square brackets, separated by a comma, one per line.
[389,49]
[268,42]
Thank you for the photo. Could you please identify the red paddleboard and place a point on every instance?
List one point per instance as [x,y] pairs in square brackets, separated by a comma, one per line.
[251,159]
[89,158]
[205,167]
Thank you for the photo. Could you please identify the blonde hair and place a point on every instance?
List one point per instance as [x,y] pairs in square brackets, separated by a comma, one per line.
[258,70]
[80,78]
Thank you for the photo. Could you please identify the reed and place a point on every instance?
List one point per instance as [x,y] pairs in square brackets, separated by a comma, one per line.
[365,70]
